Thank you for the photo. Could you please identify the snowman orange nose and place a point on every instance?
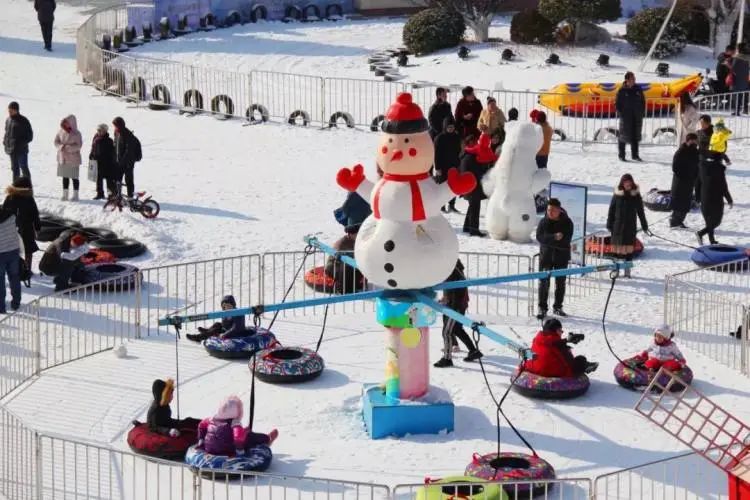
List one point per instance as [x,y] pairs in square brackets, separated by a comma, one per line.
[397,155]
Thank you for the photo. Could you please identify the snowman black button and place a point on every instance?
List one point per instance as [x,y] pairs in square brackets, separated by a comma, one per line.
[389,246]
[392,283]
[388,267]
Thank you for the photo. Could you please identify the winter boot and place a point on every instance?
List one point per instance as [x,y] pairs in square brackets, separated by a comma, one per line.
[627,272]
[272,436]
[443,363]
[75,195]
[64,195]
[541,314]
[196,337]
[591,366]
[699,237]
[558,311]
[473,355]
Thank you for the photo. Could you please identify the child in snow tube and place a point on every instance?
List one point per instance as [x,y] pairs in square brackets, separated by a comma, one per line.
[227,328]
[162,436]
[346,279]
[223,443]
[553,356]
[640,369]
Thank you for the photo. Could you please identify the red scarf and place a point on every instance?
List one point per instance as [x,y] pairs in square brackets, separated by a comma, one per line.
[417,206]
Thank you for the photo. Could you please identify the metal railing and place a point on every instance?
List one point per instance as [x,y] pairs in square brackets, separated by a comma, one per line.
[308,99]
[546,489]
[709,309]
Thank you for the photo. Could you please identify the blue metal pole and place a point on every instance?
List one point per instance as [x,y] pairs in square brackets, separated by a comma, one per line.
[425,299]
[572,271]
[315,242]
[260,309]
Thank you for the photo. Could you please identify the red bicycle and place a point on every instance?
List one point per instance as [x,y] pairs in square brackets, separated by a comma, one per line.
[147,207]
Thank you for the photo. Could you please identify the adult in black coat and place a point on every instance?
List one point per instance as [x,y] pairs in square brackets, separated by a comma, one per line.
[18,135]
[45,13]
[125,154]
[553,233]
[439,111]
[684,173]
[631,106]
[626,206]
[741,78]
[704,134]
[447,154]
[103,152]
[477,159]
[20,202]
[723,70]
[714,191]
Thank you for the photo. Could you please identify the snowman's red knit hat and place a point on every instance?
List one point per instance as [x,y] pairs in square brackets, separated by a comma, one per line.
[404,117]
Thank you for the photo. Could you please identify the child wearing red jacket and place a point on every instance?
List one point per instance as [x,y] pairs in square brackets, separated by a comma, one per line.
[663,352]
[552,354]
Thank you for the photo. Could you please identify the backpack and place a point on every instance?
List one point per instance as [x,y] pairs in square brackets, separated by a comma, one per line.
[137,151]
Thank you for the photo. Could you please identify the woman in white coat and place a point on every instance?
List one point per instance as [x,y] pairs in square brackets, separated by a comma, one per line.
[689,117]
[69,142]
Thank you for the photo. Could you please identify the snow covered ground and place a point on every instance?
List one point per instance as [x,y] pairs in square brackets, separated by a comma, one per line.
[230,190]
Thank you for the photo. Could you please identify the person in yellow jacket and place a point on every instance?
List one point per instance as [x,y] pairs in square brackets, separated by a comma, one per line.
[491,119]
[718,144]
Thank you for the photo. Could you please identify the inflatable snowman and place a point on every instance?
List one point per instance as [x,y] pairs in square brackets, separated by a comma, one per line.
[406,243]
[512,184]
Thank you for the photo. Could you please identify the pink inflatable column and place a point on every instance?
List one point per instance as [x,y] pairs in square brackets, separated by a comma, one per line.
[408,362]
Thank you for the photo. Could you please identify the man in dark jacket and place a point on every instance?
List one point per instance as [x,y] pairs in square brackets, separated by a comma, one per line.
[103,152]
[18,135]
[447,155]
[714,191]
[684,174]
[439,111]
[125,154]
[45,13]
[741,78]
[631,106]
[722,69]
[553,233]
[467,113]
[704,141]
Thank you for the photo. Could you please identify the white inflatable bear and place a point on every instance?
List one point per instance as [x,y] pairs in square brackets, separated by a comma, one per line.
[512,183]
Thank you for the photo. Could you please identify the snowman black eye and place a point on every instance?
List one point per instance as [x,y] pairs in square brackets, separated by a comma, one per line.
[390,140]
[406,140]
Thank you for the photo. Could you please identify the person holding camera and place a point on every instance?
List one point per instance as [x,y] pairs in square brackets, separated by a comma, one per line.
[553,356]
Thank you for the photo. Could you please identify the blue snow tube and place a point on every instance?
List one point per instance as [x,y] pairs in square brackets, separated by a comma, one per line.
[256,459]
[256,340]
[711,255]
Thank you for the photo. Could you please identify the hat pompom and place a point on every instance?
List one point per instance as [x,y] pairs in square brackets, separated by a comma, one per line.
[404,117]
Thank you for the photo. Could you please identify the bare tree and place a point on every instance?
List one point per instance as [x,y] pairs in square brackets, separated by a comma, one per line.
[477,14]
[723,14]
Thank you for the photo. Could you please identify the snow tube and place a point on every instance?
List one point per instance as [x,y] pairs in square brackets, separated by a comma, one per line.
[658,201]
[98,257]
[228,104]
[288,365]
[120,276]
[334,11]
[601,245]
[138,89]
[446,489]
[250,113]
[632,375]
[193,99]
[98,233]
[53,226]
[376,123]
[604,133]
[145,442]
[292,13]
[122,248]
[240,347]
[513,467]
[311,9]
[559,135]
[711,255]
[535,386]
[114,81]
[256,459]
[318,280]
[161,98]
[333,120]
[233,17]
[299,114]
[258,12]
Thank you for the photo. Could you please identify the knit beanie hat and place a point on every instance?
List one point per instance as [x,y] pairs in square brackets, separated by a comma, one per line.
[404,117]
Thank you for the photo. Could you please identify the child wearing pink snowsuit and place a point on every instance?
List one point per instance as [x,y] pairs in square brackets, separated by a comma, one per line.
[223,434]
[663,352]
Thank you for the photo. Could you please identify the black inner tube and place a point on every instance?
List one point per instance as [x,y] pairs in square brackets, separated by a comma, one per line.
[110,268]
[286,354]
[510,463]
[463,491]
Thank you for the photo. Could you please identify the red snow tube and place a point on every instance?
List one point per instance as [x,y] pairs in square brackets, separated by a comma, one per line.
[318,280]
[601,245]
[95,256]
[145,442]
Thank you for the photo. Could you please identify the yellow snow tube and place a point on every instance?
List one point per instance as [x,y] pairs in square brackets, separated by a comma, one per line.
[598,99]
[444,489]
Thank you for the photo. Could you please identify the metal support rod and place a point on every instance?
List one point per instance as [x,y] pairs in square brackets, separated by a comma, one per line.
[315,242]
[658,36]
[523,351]
[741,28]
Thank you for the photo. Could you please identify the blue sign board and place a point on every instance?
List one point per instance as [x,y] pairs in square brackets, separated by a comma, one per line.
[573,198]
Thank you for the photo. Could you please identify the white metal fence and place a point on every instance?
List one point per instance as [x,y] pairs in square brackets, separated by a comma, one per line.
[304,99]
[709,309]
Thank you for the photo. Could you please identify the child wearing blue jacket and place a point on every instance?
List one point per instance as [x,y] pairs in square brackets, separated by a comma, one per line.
[229,327]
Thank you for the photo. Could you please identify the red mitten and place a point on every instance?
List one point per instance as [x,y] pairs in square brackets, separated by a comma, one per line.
[351,178]
[652,364]
[461,183]
[672,365]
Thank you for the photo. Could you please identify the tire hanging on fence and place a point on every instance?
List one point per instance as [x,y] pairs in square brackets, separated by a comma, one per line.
[334,119]
[299,114]
[334,7]
[138,89]
[114,81]
[193,101]
[663,130]
[160,98]
[306,12]
[250,113]
[258,12]
[376,122]
[228,104]
[292,13]
[559,133]
[606,130]
[233,17]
